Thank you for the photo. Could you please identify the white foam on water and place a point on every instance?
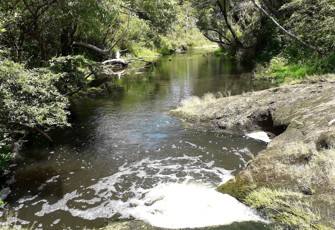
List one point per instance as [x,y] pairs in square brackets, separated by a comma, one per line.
[171,193]
[189,206]
[262,136]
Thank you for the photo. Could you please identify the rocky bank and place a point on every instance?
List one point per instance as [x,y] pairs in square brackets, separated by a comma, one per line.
[292,181]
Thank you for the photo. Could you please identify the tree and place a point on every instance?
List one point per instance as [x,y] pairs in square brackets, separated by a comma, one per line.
[42,29]
[234,25]
[159,14]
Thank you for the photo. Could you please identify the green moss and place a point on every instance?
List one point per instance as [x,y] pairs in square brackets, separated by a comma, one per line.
[236,187]
[289,209]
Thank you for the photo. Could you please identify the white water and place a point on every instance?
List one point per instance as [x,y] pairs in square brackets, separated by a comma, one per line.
[190,206]
[154,191]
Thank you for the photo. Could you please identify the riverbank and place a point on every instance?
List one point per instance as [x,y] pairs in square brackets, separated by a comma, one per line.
[292,181]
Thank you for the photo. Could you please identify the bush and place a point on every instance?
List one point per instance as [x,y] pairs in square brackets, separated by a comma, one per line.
[28,100]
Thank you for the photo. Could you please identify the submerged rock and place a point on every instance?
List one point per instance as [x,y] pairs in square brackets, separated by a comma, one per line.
[300,156]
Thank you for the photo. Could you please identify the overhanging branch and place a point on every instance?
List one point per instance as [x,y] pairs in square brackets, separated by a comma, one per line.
[103,52]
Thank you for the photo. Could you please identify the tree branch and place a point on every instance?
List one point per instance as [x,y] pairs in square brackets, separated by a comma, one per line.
[220,35]
[214,39]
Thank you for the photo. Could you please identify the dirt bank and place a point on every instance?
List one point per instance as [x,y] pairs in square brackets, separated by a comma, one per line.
[293,180]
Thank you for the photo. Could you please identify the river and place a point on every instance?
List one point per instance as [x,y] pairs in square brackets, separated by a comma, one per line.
[125,157]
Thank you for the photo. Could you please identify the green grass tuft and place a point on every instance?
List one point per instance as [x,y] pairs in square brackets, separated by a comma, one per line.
[287,208]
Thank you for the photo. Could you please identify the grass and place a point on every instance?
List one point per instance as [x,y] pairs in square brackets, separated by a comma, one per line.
[286,208]
[192,105]
[314,174]
[280,70]
[312,167]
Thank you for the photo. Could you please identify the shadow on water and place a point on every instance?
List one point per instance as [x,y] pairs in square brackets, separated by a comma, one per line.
[124,146]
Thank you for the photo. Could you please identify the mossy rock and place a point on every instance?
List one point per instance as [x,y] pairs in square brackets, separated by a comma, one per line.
[236,187]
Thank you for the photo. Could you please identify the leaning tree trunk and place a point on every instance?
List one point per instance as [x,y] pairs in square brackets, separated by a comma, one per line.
[103,52]
[224,10]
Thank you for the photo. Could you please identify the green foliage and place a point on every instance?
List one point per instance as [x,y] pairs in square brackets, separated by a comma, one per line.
[174,28]
[2,21]
[183,32]
[141,51]
[37,31]
[313,21]
[158,14]
[41,30]
[28,99]
[73,71]
[5,151]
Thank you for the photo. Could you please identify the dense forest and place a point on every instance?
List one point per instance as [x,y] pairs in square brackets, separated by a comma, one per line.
[52,49]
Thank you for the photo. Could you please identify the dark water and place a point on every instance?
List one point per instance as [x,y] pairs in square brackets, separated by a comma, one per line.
[125,146]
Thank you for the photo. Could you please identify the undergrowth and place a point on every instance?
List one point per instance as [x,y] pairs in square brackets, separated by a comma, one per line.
[280,70]
[286,68]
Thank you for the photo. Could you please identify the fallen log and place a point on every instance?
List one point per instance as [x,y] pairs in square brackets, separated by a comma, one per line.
[117,61]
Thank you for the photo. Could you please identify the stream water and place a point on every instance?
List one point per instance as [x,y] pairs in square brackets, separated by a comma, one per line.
[125,157]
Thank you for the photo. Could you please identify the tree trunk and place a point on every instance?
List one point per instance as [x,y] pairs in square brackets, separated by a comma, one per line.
[41,47]
[44,134]
[65,43]
[103,52]
[223,9]
[40,131]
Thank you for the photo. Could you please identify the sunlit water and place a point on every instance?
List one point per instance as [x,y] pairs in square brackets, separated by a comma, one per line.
[126,158]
